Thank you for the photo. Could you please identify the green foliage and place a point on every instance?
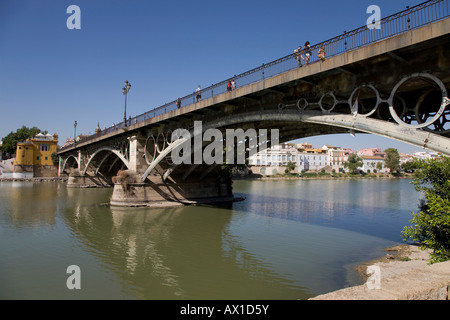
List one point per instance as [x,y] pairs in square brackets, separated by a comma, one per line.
[392,160]
[309,174]
[431,226]
[22,134]
[353,162]
[379,166]
[409,166]
[290,166]
[55,158]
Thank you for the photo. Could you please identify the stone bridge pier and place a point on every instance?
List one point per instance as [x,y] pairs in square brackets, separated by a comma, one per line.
[124,165]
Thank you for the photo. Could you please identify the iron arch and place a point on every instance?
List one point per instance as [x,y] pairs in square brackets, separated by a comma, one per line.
[109,150]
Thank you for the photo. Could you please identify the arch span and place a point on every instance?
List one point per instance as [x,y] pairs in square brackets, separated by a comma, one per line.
[294,125]
[108,151]
[67,160]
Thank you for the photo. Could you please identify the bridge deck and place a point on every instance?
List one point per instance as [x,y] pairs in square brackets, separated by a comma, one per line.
[389,45]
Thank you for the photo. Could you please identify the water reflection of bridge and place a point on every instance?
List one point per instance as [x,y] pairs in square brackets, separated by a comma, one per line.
[161,253]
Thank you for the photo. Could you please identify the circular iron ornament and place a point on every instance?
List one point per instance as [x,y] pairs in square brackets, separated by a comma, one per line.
[169,136]
[444,103]
[158,149]
[376,93]
[168,158]
[334,101]
[439,124]
[305,102]
[152,140]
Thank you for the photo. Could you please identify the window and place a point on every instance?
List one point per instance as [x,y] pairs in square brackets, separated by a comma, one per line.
[37,158]
[46,158]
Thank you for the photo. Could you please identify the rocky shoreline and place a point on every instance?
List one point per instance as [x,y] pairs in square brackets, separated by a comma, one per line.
[395,258]
[405,274]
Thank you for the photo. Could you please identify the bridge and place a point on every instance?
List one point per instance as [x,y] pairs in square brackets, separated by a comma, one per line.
[390,81]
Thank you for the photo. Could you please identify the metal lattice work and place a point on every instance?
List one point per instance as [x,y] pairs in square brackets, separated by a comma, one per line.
[429,112]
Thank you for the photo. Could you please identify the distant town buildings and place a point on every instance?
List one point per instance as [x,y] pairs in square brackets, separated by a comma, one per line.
[329,158]
[305,158]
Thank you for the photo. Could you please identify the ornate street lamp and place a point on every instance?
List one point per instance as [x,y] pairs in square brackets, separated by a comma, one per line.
[75,133]
[125,90]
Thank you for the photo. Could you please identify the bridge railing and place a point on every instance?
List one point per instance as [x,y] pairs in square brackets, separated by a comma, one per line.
[404,21]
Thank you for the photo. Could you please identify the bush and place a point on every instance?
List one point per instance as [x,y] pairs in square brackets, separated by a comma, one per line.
[431,226]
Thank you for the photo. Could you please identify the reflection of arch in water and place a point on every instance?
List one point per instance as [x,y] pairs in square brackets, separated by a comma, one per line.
[172,252]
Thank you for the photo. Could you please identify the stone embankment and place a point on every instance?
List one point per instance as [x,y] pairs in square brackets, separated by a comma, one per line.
[37,179]
[404,275]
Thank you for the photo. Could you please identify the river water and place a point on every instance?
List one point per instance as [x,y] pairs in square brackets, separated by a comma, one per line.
[289,239]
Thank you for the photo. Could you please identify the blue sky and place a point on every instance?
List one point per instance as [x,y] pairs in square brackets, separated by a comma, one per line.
[51,76]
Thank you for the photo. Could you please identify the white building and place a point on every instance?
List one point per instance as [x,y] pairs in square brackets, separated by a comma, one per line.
[312,159]
[273,160]
[336,157]
[373,163]
[423,155]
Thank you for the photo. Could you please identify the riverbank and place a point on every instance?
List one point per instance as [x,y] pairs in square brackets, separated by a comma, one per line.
[36,179]
[405,274]
[321,176]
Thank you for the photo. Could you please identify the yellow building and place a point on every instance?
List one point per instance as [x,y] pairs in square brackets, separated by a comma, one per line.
[33,157]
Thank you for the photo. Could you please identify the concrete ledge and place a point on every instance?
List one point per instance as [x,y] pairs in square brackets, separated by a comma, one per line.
[401,280]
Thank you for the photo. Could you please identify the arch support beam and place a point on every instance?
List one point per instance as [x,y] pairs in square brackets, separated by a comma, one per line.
[407,134]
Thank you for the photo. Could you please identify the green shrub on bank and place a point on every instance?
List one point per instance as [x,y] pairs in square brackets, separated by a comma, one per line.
[431,226]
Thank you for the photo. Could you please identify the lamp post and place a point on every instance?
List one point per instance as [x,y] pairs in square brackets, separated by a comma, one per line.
[75,133]
[125,90]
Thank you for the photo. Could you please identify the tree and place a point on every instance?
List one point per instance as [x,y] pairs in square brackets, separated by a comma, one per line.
[409,166]
[353,162]
[290,166]
[55,158]
[431,226]
[379,166]
[392,160]
[22,134]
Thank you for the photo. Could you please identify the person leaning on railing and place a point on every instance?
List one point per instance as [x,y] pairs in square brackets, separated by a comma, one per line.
[321,53]
[307,51]
[298,56]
